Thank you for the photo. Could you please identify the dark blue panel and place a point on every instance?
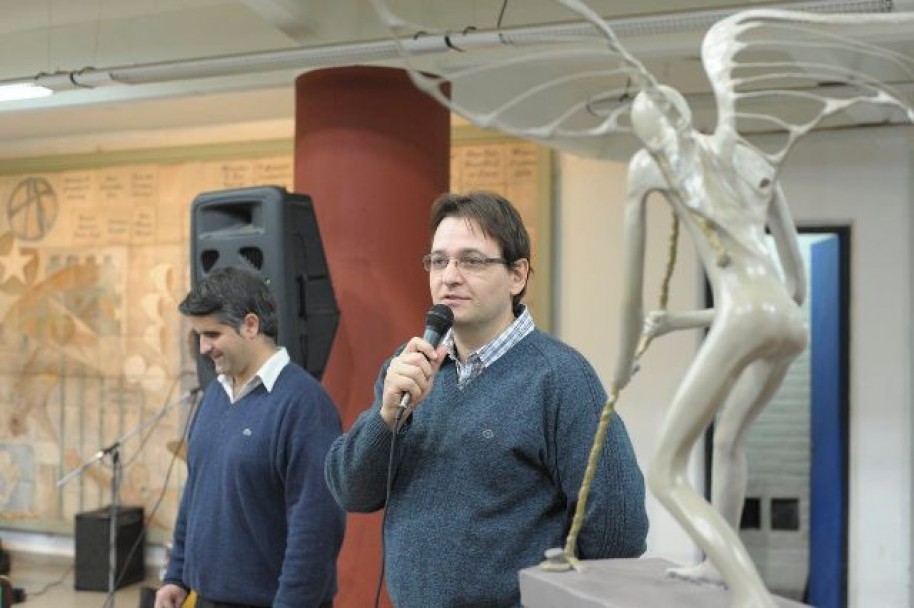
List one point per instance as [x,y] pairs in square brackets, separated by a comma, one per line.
[828,507]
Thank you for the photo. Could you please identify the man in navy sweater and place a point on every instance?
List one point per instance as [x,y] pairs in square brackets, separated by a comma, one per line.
[257,526]
[494,446]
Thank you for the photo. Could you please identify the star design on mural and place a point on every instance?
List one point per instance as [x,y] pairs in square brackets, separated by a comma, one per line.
[14,263]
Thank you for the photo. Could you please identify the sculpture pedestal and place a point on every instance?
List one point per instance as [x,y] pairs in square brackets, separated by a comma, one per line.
[621,583]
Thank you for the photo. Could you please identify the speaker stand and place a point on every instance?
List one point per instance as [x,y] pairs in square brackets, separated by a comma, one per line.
[114,451]
[116,472]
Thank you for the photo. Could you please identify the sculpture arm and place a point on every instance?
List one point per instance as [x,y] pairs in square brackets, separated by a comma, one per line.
[784,232]
[641,169]
[660,322]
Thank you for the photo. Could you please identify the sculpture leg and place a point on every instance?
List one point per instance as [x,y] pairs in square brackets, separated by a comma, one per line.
[709,381]
[752,391]
[729,472]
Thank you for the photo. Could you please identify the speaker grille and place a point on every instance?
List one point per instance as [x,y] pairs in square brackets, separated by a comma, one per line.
[208,259]
[253,255]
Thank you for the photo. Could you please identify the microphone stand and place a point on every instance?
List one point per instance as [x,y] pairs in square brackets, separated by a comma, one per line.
[114,451]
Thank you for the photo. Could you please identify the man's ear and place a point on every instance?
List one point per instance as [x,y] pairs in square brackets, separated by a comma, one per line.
[520,274]
[250,325]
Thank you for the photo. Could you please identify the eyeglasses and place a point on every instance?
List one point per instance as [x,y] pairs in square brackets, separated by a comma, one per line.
[467,262]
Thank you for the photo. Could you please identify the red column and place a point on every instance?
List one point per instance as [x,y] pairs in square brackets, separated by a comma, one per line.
[373,152]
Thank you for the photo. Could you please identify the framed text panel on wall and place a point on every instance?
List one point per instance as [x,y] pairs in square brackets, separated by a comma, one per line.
[521,171]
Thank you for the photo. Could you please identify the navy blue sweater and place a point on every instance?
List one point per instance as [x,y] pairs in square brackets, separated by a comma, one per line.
[257,524]
[488,477]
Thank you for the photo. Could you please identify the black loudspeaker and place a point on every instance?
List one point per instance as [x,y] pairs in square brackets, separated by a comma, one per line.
[6,592]
[93,531]
[274,233]
[4,560]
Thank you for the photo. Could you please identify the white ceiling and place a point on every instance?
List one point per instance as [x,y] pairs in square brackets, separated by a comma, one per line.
[47,36]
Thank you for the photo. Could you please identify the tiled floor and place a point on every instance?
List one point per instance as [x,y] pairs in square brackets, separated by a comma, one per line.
[34,573]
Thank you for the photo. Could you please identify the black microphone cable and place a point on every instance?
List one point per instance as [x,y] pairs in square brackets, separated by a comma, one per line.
[387,493]
[437,322]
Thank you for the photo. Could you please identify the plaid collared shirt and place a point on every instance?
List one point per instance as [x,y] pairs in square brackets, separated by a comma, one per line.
[479,360]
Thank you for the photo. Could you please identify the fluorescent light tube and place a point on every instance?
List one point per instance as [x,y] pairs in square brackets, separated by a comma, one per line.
[12,92]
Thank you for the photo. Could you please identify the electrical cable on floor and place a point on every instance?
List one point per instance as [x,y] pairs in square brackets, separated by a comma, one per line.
[50,585]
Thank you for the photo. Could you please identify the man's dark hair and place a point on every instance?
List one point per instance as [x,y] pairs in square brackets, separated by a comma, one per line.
[497,218]
[230,294]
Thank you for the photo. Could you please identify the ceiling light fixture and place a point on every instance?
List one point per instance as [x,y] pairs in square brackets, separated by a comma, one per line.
[22,90]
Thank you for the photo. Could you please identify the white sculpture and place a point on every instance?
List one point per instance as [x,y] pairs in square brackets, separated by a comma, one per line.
[756,329]
[765,66]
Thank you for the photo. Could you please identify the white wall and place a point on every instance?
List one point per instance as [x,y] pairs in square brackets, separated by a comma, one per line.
[860,178]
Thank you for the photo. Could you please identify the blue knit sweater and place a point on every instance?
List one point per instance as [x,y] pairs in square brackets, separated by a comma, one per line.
[487,478]
[256,523]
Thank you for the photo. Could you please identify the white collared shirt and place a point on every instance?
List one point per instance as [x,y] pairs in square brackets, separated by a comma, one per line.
[266,375]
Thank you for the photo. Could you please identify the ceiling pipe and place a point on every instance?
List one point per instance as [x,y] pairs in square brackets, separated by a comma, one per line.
[375,52]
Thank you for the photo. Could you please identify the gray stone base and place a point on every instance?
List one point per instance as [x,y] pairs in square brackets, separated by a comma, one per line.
[622,583]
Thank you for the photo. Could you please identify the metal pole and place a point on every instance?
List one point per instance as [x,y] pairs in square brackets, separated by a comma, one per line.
[112,524]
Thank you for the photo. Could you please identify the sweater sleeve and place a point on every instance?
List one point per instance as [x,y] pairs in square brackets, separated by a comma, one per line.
[174,569]
[356,466]
[315,522]
[615,523]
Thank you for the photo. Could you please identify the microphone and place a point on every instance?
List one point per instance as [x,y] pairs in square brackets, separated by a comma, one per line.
[438,320]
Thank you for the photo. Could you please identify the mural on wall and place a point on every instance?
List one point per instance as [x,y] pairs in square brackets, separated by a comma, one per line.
[92,265]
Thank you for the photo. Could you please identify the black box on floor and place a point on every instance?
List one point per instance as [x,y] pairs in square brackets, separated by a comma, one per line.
[93,531]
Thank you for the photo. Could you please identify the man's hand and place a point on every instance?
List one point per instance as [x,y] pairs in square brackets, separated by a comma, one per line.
[409,372]
[170,596]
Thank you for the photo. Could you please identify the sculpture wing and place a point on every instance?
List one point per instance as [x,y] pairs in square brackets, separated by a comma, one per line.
[568,89]
[788,72]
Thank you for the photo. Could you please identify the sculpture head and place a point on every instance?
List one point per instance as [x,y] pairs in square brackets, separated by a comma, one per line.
[657,114]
